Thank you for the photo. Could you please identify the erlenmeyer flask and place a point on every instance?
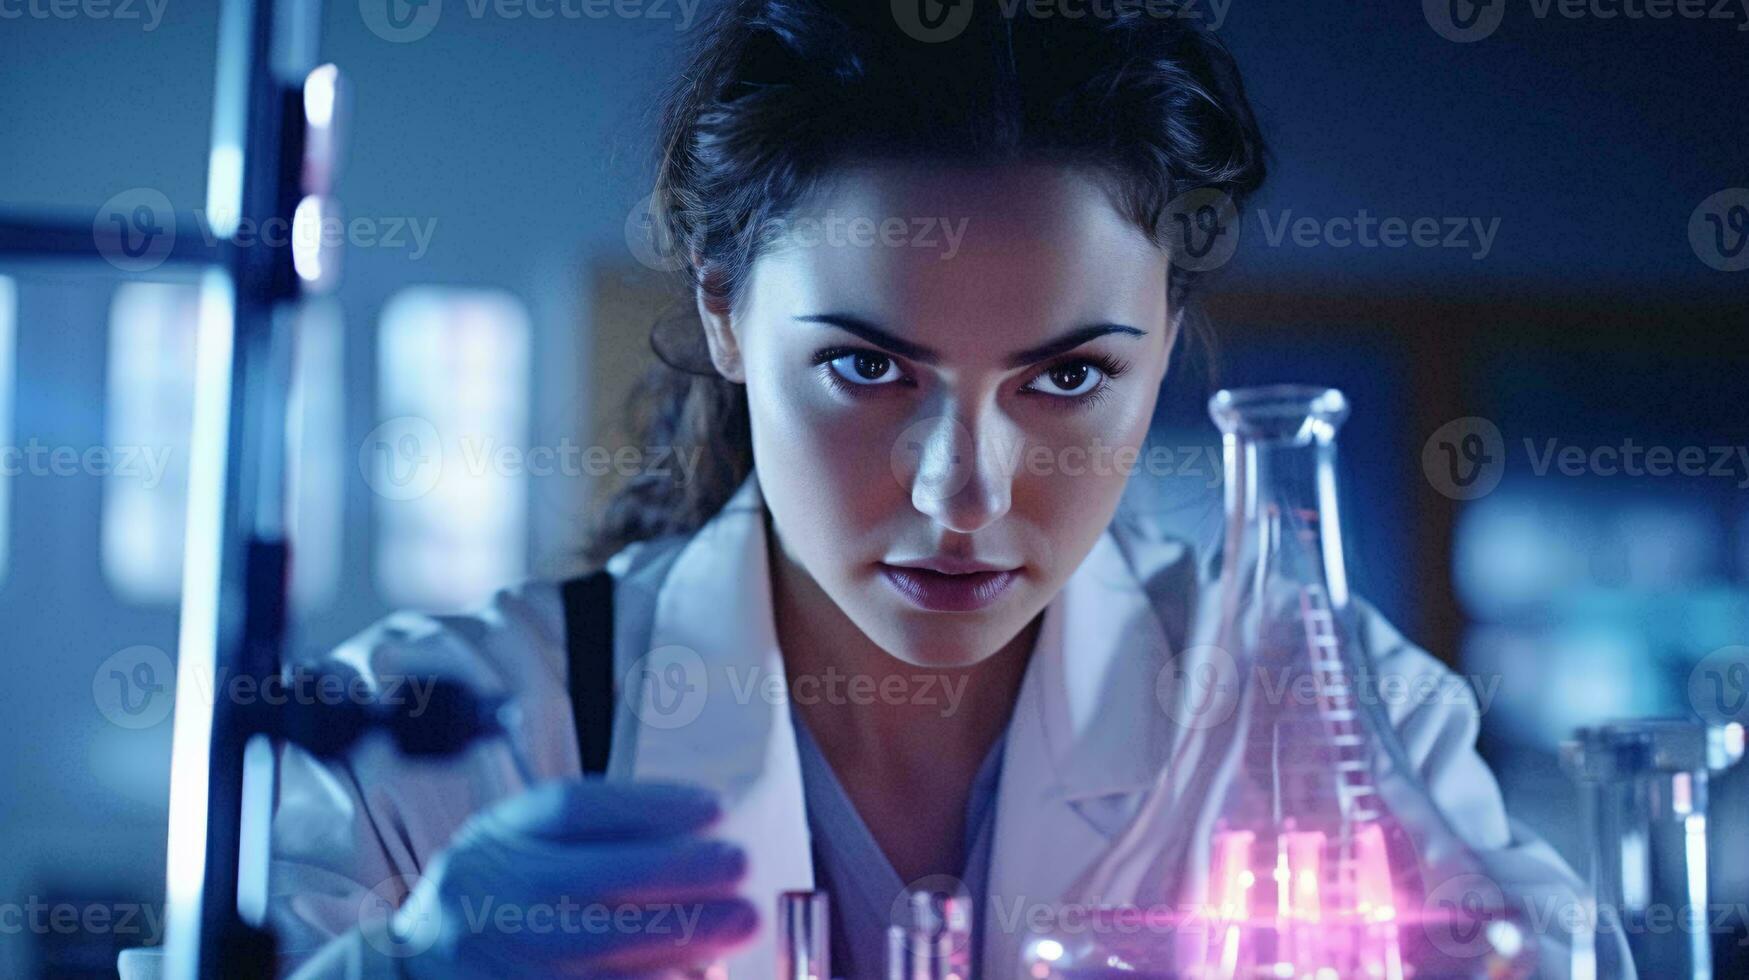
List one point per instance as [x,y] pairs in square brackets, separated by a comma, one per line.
[1288,830]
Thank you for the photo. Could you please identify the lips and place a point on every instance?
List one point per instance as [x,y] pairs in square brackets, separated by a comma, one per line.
[947,585]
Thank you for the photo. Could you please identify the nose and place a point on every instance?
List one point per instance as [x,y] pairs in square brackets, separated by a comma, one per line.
[958,475]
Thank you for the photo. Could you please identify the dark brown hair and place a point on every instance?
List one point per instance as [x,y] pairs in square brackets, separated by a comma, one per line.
[779,94]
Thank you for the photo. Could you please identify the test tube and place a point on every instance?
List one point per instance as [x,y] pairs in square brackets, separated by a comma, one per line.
[804,949]
[936,941]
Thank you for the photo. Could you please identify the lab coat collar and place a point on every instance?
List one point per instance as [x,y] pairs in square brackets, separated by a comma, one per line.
[1098,668]
[707,710]
[1085,742]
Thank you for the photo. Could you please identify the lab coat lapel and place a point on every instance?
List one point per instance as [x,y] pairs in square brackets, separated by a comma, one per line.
[710,710]
[1086,741]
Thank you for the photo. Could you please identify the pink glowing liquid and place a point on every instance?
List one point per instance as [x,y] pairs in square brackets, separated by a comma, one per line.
[1302,905]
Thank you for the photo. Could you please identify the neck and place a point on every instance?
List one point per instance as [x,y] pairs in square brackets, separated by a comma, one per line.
[869,707]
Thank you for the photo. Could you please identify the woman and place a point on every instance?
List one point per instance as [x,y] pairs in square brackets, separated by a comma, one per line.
[970,645]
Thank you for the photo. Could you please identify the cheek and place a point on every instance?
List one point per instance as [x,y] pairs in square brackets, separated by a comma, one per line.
[825,467]
[1079,462]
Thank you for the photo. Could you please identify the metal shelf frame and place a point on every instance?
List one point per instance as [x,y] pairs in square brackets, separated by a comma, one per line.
[266,158]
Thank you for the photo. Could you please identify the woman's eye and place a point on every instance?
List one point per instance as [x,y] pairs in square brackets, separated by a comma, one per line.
[866,368]
[1068,379]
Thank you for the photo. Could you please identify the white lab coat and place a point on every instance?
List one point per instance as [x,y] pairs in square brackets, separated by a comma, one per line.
[1087,741]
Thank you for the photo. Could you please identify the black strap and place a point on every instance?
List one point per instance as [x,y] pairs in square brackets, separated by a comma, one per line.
[589,648]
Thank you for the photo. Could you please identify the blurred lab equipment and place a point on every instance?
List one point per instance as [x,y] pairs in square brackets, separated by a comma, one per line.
[1643,785]
[804,923]
[935,941]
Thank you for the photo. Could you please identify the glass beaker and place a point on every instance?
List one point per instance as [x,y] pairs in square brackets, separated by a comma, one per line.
[1282,828]
[1643,787]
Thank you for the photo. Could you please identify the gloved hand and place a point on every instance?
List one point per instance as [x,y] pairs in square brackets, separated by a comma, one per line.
[579,878]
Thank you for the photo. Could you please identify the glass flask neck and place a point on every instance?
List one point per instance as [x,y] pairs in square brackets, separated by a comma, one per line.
[1280,462]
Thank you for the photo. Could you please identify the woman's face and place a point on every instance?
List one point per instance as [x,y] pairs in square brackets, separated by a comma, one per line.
[949,374]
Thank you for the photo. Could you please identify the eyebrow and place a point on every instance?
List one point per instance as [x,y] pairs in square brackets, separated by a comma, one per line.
[926,355]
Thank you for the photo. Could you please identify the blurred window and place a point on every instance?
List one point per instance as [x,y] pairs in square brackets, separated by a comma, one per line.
[316,460]
[148,425]
[445,462]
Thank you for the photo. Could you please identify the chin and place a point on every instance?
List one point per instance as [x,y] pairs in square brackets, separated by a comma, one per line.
[944,640]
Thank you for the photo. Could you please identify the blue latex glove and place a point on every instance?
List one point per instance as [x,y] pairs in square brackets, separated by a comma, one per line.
[582,878]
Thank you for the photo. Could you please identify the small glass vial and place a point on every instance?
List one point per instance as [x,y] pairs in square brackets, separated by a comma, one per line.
[936,942]
[804,950]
